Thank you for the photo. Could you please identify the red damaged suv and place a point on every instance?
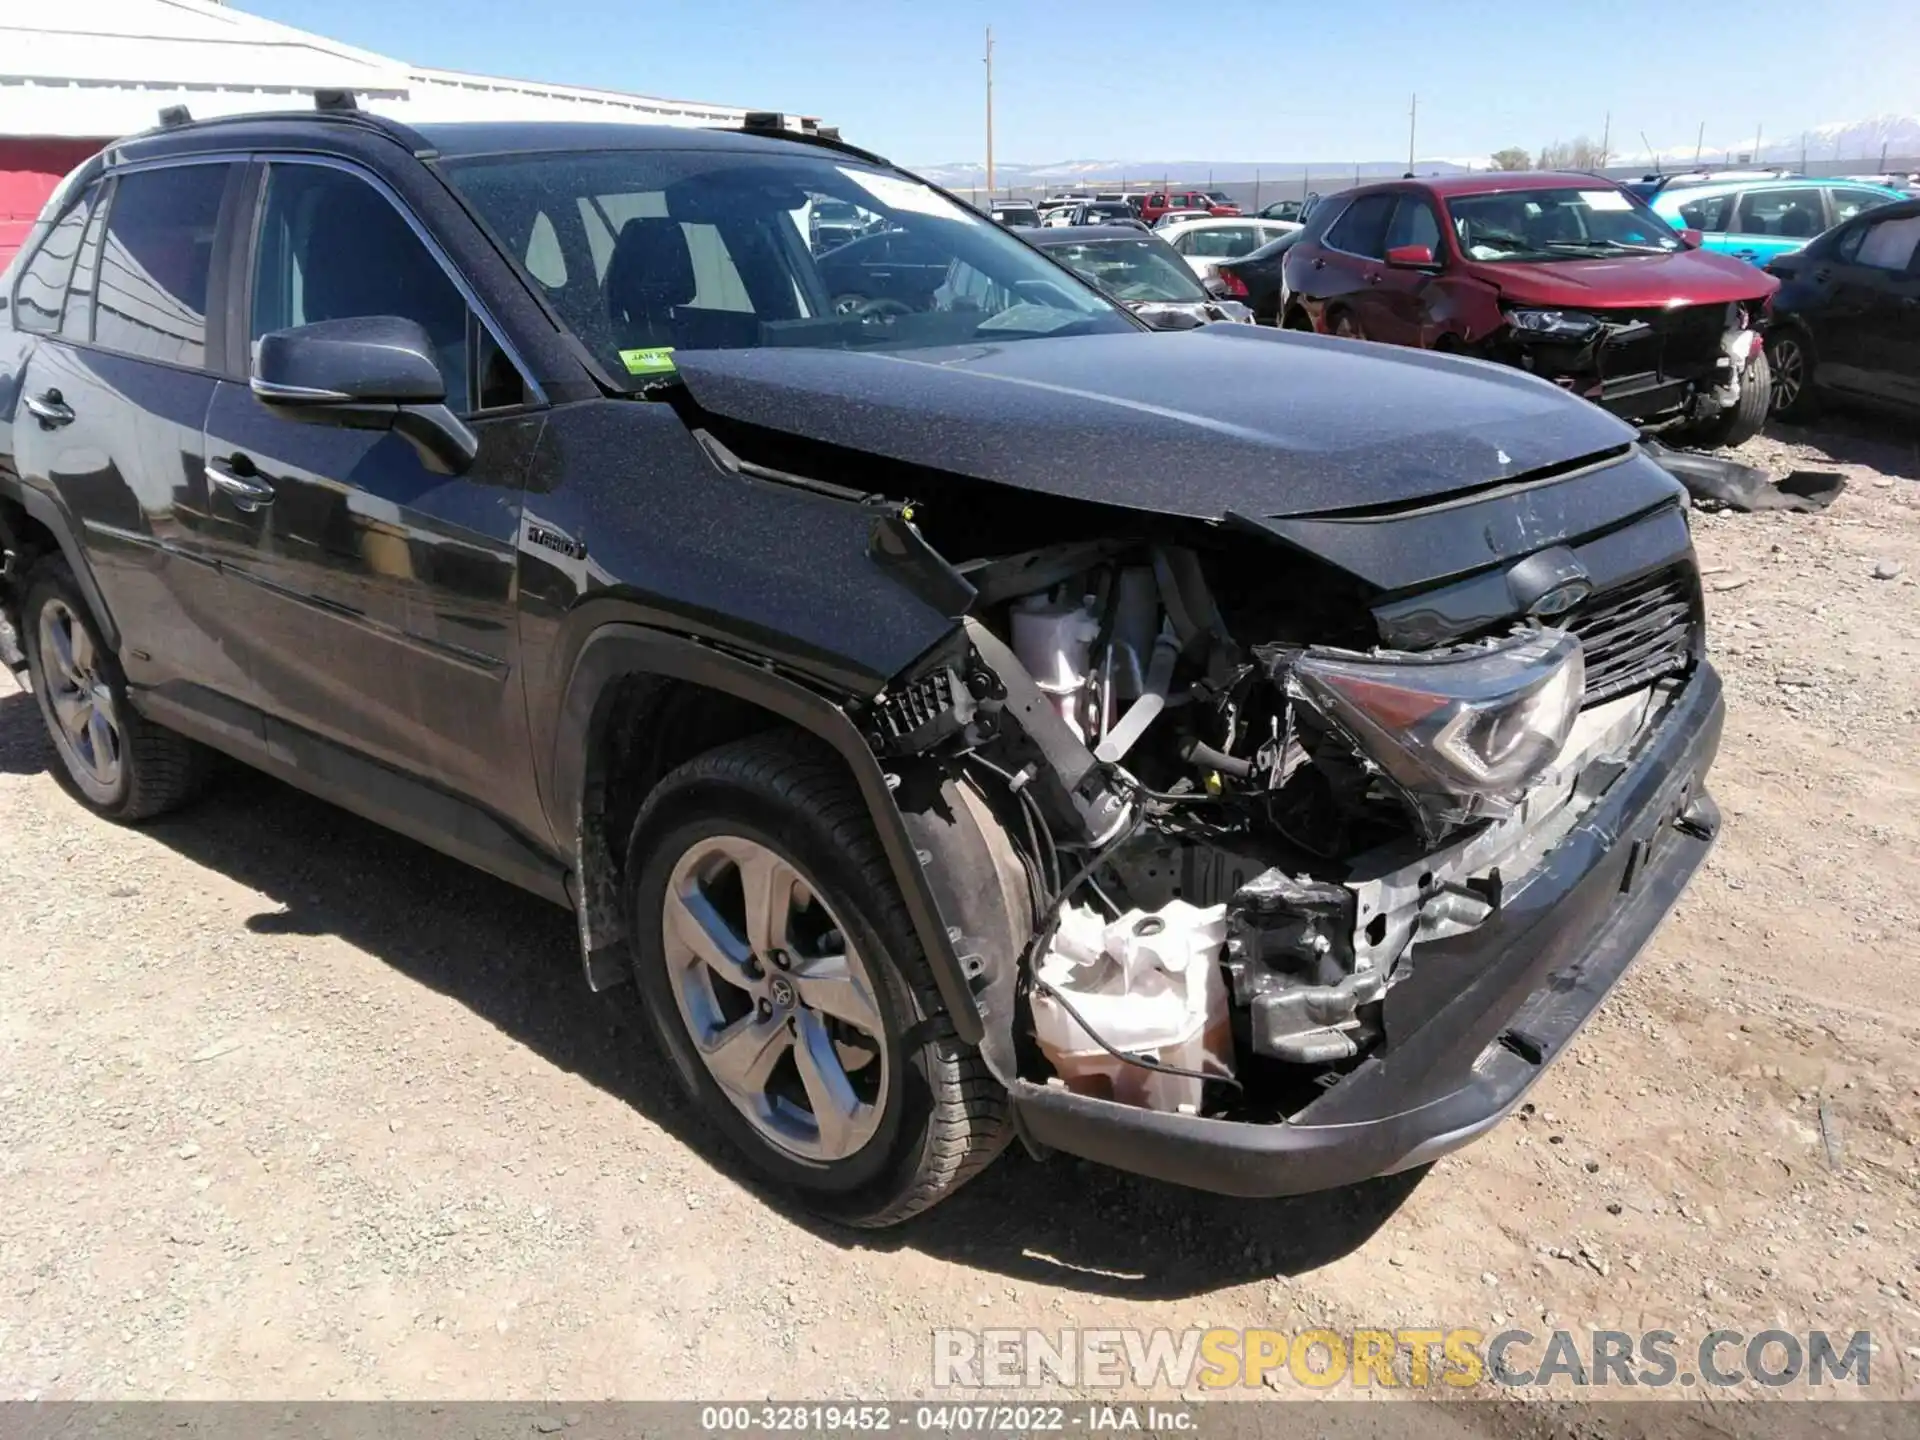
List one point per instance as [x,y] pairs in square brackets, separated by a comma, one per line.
[1568,277]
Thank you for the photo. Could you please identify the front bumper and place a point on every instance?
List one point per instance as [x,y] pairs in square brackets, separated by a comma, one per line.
[1478,1020]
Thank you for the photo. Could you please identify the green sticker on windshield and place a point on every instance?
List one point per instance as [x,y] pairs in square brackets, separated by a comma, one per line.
[647,362]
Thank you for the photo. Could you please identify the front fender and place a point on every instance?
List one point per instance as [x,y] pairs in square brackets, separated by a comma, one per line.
[618,650]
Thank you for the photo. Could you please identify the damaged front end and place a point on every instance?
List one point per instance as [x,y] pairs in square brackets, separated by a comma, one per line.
[1270,827]
[1644,365]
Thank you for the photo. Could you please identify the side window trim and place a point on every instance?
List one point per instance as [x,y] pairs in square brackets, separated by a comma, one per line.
[536,397]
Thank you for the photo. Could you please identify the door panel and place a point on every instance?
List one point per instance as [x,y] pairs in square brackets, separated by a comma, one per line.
[123,392]
[378,596]
[378,593]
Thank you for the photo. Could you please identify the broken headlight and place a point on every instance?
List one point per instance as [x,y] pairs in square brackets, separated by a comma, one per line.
[1460,734]
[1553,324]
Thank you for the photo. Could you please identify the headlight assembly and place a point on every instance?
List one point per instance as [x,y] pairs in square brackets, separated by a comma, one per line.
[1554,324]
[1461,734]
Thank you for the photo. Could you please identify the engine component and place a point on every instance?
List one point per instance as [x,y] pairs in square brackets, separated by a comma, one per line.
[1144,711]
[1148,984]
[1054,639]
[1076,794]
[1460,734]
[1290,957]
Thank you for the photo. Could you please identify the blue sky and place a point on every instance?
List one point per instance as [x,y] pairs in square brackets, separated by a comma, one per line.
[1225,80]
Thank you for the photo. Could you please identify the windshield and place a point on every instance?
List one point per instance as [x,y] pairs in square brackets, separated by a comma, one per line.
[1131,270]
[1557,224]
[643,253]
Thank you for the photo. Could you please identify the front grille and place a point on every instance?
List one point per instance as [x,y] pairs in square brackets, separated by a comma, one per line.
[1679,342]
[1635,633]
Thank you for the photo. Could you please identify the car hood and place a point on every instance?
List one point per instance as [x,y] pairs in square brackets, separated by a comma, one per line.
[1686,277]
[1225,418]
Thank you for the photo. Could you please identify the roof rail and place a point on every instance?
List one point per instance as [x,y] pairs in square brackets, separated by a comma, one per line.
[175,119]
[803,128]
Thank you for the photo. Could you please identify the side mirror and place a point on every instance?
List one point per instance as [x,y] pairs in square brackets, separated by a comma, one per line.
[371,373]
[1692,238]
[1412,257]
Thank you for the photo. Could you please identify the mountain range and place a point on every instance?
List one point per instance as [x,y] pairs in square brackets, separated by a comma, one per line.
[1861,141]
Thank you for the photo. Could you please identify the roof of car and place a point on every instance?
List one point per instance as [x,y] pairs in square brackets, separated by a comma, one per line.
[1688,194]
[468,138]
[1495,182]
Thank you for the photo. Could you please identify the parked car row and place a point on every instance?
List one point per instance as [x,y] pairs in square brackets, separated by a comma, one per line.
[1758,215]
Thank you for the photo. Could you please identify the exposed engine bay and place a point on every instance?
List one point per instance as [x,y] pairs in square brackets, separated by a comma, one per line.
[1236,835]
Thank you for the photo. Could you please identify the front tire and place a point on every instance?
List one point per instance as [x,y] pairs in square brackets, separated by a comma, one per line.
[1790,357]
[118,763]
[1742,420]
[786,984]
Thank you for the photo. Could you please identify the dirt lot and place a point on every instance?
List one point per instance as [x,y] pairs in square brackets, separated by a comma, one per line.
[292,1107]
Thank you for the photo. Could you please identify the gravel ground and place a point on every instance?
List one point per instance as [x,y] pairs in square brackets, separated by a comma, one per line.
[290,1107]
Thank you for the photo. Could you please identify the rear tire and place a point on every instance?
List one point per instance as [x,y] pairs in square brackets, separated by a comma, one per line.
[921,1114]
[1742,420]
[114,760]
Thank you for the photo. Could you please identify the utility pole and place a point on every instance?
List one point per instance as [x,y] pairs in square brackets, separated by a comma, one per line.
[989,59]
[1699,141]
[1883,157]
[1756,144]
[1256,190]
[1413,116]
[1652,154]
[1606,139]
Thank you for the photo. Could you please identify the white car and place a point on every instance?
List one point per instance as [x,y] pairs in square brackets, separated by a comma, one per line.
[1205,242]
[1181,217]
[1057,216]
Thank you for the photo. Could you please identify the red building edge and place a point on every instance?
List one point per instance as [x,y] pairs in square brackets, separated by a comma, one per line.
[29,169]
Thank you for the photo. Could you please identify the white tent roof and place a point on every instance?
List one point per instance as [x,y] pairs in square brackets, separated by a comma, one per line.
[103,68]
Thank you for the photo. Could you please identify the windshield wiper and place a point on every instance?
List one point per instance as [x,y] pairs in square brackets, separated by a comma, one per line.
[1608,245]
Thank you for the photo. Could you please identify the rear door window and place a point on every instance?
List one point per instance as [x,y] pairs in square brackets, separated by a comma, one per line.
[1848,201]
[156,262]
[1709,214]
[1785,214]
[1890,244]
[42,288]
[1363,229]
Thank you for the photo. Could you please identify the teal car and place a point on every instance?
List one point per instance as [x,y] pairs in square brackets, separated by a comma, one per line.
[1760,218]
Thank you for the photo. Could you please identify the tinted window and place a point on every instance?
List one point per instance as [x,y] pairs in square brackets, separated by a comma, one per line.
[1789,214]
[1414,223]
[43,284]
[1222,242]
[332,247]
[1849,202]
[77,322]
[1890,244]
[155,262]
[1709,214]
[1362,230]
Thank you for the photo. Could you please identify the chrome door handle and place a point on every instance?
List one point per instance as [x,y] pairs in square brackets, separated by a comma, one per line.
[50,410]
[248,492]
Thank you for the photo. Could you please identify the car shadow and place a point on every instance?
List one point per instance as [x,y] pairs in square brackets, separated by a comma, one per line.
[1855,438]
[24,747]
[511,959]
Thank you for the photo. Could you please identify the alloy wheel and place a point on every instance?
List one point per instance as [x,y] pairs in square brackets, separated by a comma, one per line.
[87,723]
[779,1003]
[1789,373]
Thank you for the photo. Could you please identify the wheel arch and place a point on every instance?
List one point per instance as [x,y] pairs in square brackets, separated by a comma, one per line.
[32,524]
[640,701]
